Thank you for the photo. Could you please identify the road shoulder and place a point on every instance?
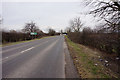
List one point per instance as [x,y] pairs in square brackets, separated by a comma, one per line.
[70,70]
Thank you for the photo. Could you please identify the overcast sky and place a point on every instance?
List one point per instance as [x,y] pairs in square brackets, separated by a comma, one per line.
[45,14]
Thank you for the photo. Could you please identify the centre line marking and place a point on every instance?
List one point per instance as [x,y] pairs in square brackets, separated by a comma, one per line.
[27,49]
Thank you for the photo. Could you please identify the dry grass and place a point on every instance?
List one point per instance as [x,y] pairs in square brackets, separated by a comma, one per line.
[85,59]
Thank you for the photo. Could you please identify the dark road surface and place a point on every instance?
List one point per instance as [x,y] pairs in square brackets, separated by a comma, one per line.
[42,58]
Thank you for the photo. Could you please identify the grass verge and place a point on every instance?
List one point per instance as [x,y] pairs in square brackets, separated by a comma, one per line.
[13,43]
[86,61]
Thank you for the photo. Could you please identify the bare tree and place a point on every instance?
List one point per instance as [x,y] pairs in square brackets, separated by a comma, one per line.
[68,29]
[1,19]
[51,32]
[87,30]
[61,31]
[76,24]
[30,27]
[110,12]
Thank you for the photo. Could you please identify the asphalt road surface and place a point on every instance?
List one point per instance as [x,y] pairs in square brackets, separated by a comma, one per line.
[42,58]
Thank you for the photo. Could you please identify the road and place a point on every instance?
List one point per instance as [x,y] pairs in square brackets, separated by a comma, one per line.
[42,58]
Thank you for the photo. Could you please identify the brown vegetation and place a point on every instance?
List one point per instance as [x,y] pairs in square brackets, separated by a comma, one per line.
[18,36]
[106,42]
[92,63]
[25,34]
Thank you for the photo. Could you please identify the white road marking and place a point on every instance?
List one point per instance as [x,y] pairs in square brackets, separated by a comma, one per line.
[17,54]
[27,49]
[16,47]
[32,66]
[6,57]
[23,51]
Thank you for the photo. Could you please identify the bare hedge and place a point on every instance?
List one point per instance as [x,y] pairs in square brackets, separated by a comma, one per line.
[107,42]
[18,36]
